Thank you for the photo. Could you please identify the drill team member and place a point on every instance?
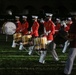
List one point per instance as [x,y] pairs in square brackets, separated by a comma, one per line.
[24,29]
[49,31]
[18,28]
[34,32]
[72,51]
[69,23]
[58,25]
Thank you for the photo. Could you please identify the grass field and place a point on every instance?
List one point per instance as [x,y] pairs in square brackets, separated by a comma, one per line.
[15,62]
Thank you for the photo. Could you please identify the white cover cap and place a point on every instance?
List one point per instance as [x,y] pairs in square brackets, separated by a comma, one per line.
[24,16]
[49,14]
[35,17]
[17,17]
[69,18]
[57,19]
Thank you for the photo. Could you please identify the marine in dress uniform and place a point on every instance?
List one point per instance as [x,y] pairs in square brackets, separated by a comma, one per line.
[34,32]
[18,28]
[49,31]
[24,29]
[72,51]
[57,25]
[24,26]
[18,24]
[68,23]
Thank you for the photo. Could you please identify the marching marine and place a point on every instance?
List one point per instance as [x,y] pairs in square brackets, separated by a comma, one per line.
[34,32]
[49,31]
[17,36]
[24,29]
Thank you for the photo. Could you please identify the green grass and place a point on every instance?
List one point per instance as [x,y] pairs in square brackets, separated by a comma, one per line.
[15,62]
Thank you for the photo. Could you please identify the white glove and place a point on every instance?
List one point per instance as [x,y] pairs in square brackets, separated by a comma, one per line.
[44,30]
[48,32]
[31,29]
[63,24]
[42,21]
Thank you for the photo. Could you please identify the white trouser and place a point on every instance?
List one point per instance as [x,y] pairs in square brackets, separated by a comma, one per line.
[13,44]
[52,47]
[70,61]
[65,46]
[43,54]
[55,56]
[21,46]
[42,57]
[30,50]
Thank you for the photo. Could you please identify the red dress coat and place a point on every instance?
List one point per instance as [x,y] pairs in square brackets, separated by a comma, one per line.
[68,26]
[49,26]
[24,28]
[35,28]
[18,26]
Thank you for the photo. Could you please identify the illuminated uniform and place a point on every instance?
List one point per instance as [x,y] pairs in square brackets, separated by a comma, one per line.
[24,30]
[49,27]
[67,28]
[34,32]
[57,25]
[18,25]
[69,23]
[35,28]
[18,28]
[49,31]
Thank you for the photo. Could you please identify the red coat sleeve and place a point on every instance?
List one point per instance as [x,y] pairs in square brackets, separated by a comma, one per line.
[18,27]
[25,26]
[35,28]
[52,28]
[57,27]
[66,28]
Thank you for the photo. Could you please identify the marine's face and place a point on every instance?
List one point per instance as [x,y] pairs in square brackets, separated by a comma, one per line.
[24,19]
[34,19]
[17,19]
[58,21]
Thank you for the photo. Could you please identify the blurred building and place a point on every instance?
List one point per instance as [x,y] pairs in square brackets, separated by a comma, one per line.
[36,6]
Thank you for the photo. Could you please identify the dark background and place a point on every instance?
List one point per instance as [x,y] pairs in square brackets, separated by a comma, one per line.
[59,8]
[37,6]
